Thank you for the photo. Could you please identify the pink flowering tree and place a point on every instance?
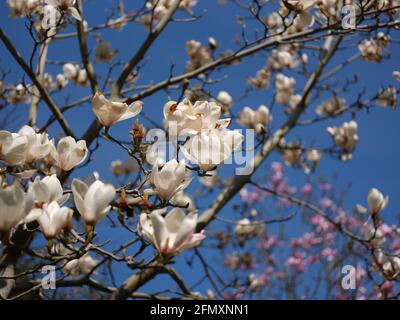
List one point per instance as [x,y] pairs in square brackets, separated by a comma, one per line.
[140,162]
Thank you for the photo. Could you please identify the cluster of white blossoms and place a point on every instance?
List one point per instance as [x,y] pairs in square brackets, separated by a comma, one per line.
[17,94]
[255,119]
[210,143]
[21,93]
[301,9]
[284,94]
[43,202]
[345,137]
[25,147]
[63,6]
[20,8]
[331,107]
[245,228]
[284,57]
[387,97]
[74,73]
[372,49]
[199,55]
[388,265]
[159,8]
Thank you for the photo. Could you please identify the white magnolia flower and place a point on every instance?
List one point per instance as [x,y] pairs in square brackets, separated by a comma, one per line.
[225,99]
[345,137]
[302,8]
[76,74]
[117,168]
[198,54]
[69,153]
[38,144]
[43,192]
[185,118]
[256,120]
[12,206]
[262,78]
[396,75]
[331,107]
[18,93]
[387,97]
[110,112]
[54,218]
[173,233]
[284,88]
[70,70]
[211,148]
[244,227]
[61,81]
[12,148]
[65,5]
[284,57]
[50,19]
[313,155]
[81,266]
[169,178]
[23,7]
[376,201]
[92,201]
[372,49]
[391,268]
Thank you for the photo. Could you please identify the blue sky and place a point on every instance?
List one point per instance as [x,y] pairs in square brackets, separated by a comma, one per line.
[376,159]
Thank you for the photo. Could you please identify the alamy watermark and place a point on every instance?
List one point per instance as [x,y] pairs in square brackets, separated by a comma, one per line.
[49,279]
[349,280]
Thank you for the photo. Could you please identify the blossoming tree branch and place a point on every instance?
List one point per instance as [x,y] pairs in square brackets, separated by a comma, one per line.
[200,207]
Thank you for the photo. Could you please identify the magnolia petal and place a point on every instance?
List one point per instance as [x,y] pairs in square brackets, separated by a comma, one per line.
[96,201]
[160,230]
[75,13]
[132,110]
[186,229]
[79,190]
[173,220]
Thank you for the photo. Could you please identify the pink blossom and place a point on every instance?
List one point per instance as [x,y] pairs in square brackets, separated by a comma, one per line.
[329,253]
[299,262]
[307,189]
[268,242]
[307,241]
[321,224]
[327,203]
[325,187]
